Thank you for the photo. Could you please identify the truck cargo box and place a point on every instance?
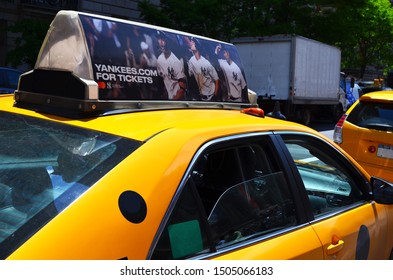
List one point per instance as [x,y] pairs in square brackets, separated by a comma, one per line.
[294,70]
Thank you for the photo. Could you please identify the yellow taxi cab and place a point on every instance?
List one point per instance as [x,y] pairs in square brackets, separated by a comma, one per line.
[105,157]
[365,131]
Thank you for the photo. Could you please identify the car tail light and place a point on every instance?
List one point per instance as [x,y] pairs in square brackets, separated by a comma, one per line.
[337,135]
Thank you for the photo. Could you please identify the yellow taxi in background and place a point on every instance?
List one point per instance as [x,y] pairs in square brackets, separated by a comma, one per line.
[90,172]
[365,131]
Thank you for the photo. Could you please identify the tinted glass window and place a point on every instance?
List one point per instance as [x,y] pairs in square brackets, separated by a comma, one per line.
[2,78]
[241,193]
[373,115]
[329,184]
[9,78]
[253,208]
[13,78]
[45,166]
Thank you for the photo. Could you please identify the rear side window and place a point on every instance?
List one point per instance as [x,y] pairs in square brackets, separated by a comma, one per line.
[373,115]
[239,193]
[45,166]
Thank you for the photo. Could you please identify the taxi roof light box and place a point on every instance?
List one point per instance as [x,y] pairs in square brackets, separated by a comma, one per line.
[90,65]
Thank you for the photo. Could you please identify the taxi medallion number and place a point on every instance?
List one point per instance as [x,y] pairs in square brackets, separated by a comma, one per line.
[385,151]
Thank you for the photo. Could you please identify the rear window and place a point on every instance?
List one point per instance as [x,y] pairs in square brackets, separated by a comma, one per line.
[45,166]
[373,115]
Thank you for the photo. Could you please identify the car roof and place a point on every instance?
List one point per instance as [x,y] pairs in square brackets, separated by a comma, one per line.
[378,96]
[143,125]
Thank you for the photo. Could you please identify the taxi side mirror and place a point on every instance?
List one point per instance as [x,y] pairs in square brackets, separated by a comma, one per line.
[382,190]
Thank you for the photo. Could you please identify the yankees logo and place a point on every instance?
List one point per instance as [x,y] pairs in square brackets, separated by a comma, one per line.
[171,73]
[234,76]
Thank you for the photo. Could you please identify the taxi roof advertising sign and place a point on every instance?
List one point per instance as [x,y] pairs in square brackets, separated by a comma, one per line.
[119,60]
[135,61]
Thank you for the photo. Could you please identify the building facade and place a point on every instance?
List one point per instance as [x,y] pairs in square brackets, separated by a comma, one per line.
[13,10]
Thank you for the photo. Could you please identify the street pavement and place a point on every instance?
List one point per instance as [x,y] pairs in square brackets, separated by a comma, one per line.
[325,127]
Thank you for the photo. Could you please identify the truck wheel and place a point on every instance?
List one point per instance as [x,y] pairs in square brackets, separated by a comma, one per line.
[337,113]
[306,117]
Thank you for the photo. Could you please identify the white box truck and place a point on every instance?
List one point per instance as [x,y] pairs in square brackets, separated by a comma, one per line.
[302,74]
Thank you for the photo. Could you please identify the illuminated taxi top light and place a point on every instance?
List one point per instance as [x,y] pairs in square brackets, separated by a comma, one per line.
[92,65]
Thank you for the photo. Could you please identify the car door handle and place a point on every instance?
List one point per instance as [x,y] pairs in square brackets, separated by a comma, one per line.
[334,248]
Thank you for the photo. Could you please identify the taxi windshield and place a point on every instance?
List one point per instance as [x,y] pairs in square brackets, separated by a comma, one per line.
[45,166]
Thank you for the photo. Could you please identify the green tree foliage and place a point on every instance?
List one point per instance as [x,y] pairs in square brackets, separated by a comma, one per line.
[32,33]
[372,37]
[362,29]
[213,18]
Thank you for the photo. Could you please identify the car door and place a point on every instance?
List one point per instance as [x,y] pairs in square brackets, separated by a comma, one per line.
[348,224]
[237,202]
